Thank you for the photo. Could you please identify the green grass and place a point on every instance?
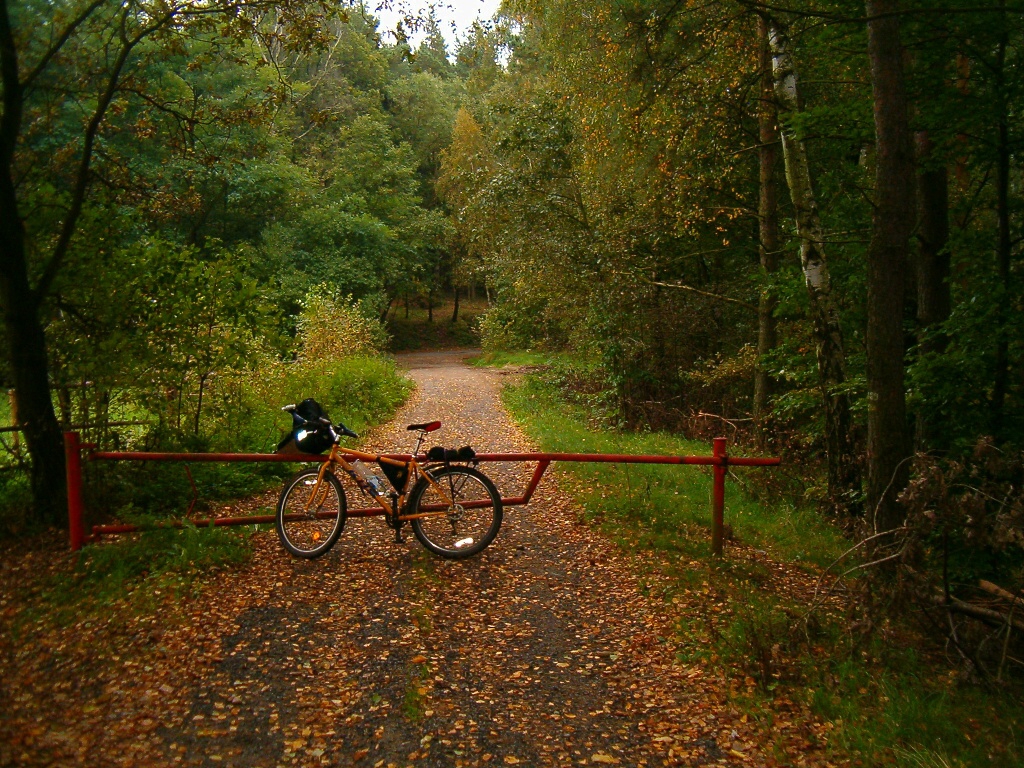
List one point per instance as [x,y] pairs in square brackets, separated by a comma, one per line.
[891,699]
[501,358]
[136,573]
[666,501]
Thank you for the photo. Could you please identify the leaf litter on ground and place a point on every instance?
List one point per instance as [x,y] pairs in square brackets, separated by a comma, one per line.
[552,647]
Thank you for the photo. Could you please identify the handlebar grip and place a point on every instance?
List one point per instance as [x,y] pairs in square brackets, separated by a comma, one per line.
[343,430]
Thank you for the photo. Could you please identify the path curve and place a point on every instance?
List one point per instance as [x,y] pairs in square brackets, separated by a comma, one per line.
[543,650]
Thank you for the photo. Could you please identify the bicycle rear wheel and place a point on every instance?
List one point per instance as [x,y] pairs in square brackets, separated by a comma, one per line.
[462,524]
[311,517]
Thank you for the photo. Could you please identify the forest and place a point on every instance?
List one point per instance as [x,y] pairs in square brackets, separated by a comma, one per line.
[797,223]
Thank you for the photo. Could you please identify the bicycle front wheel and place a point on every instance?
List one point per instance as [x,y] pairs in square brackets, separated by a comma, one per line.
[460,517]
[311,515]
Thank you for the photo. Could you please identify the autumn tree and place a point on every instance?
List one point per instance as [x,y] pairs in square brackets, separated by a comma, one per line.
[65,70]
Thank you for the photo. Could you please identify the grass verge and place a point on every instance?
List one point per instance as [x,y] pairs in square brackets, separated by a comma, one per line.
[128,576]
[882,696]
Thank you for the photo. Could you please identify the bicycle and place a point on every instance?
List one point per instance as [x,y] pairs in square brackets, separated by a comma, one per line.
[455,510]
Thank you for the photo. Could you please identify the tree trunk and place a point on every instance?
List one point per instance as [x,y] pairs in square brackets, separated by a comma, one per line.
[455,312]
[933,269]
[26,339]
[843,480]
[199,403]
[26,348]
[1003,244]
[892,222]
[768,228]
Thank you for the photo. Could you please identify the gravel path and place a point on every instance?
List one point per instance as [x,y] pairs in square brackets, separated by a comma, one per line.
[543,650]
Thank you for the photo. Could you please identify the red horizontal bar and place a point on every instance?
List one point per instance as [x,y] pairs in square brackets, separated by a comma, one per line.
[228,457]
[621,458]
[611,458]
[99,530]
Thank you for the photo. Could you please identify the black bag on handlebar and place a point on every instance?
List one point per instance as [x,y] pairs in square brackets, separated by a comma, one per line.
[306,437]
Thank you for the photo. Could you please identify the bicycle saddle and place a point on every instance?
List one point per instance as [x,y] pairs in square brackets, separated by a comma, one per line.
[429,426]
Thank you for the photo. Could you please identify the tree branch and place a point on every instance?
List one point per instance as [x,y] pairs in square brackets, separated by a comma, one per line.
[839,18]
[92,129]
[54,49]
[707,294]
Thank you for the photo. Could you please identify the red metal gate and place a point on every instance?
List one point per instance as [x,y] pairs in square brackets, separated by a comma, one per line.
[75,451]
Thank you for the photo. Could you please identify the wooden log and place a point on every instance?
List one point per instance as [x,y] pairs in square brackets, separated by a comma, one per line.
[978,612]
[995,589]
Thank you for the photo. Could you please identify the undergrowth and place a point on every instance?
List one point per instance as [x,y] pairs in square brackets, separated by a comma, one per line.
[414,330]
[359,391]
[885,695]
[134,573]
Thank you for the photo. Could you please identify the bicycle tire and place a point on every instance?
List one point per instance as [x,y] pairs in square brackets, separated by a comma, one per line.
[310,530]
[460,531]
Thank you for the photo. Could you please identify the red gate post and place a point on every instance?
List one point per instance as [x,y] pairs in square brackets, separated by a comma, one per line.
[73,462]
[718,497]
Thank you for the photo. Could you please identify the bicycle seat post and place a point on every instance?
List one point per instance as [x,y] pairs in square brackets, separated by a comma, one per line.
[419,441]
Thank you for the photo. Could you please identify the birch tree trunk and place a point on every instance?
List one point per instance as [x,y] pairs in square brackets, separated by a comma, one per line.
[888,444]
[843,479]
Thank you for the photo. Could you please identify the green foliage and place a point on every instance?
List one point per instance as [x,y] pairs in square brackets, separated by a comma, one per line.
[416,330]
[663,506]
[885,700]
[615,159]
[248,171]
[510,326]
[15,502]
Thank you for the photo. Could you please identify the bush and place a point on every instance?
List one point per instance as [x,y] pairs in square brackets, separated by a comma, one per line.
[15,501]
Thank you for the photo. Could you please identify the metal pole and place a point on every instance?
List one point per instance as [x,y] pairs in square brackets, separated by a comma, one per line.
[718,497]
[73,461]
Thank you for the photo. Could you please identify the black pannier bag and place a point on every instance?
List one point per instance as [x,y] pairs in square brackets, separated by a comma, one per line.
[439,453]
[396,475]
[305,437]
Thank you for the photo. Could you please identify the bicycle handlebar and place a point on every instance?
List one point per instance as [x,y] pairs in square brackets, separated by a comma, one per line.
[339,428]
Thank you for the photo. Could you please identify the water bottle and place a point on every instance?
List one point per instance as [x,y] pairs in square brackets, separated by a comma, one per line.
[367,479]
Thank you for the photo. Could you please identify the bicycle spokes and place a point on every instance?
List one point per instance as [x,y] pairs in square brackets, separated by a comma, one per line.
[459,515]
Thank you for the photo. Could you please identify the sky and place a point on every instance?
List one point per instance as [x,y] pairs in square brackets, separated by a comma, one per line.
[459,14]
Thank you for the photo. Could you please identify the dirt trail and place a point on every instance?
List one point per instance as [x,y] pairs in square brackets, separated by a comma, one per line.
[540,651]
